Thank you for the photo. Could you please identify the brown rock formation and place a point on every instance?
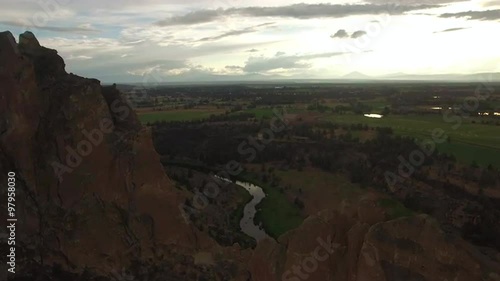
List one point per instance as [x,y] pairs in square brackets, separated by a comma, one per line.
[93,197]
[91,192]
[412,248]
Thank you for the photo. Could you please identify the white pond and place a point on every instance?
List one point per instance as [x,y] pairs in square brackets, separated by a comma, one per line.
[372,115]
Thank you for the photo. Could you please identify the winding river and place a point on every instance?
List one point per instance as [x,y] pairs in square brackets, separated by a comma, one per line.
[247,224]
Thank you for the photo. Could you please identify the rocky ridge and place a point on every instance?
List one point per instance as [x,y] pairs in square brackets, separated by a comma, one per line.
[91,192]
[95,204]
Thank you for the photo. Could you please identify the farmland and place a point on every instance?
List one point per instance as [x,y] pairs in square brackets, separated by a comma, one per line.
[469,142]
[176,115]
[329,153]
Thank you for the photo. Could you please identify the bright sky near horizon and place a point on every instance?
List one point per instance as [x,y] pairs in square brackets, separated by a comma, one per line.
[203,40]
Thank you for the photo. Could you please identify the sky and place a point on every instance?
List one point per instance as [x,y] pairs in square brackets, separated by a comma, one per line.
[215,40]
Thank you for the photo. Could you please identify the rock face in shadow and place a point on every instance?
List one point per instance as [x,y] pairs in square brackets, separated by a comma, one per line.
[91,192]
[93,201]
[343,245]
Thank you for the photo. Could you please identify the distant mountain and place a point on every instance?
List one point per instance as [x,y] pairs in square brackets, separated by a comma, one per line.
[400,76]
[357,75]
[489,76]
[479,77]
[208,78]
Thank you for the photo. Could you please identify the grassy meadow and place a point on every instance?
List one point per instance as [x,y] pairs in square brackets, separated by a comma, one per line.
[469,142]
[275,212]
[176,115]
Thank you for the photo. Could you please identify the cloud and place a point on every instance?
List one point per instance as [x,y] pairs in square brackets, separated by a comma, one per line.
[413,2]
[92,47]
[358,34]
[191,72]
[90,4]
[158,67]
[238,32]
[81,29]
[491,3]
[114,61]
[72,57]
[452,29]
[280,61]
[226,39]
[298,11]
[233,67]
[341,33]
[475,15]
[196,17]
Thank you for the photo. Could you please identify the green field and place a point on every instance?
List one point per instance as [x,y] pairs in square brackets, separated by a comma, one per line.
[331,189]
[319,182]
[176,115]
[394,208]
[469,153]
[377,104]
[260,113]
[469,142]
[267,113]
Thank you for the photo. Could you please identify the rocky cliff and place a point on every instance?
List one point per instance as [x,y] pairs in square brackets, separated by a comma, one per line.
[91,192]
[355,242]
[93,202]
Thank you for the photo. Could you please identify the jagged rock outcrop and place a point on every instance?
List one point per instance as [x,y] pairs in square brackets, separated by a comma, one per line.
[93,200]
[415,248]
[91,192]
[346,245]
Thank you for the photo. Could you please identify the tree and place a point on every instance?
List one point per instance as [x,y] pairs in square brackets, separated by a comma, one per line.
[386,111]
[299,203]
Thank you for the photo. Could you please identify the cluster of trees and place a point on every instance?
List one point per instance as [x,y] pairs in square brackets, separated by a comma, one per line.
[318,107]
[215,143]
[354,106]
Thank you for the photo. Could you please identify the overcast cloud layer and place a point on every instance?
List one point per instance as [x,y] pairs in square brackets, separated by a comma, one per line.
[475,15]
[298,11]
[209,40]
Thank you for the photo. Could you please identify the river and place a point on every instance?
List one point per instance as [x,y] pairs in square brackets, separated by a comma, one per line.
[247,224]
